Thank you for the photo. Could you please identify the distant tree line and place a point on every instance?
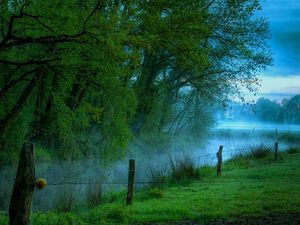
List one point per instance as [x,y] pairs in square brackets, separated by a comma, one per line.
[83,77]
[265,110]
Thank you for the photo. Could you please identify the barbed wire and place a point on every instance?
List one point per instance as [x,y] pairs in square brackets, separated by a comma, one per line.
[214,181]
[197,159]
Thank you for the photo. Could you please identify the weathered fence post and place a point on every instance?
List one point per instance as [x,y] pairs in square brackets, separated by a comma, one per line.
[21,199]
[131,173]
[219,156]
[276,150]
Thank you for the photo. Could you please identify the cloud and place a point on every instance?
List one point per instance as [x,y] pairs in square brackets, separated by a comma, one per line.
[277,87]
[290,84]
[284,20]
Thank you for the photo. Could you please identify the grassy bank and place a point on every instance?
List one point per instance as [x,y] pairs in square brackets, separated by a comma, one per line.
[248,187]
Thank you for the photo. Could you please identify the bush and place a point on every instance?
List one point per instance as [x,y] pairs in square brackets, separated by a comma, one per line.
[183,168]
[292,150]
[260,151]
[65,200]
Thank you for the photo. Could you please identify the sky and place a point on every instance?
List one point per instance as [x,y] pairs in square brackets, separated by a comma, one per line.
[282,80]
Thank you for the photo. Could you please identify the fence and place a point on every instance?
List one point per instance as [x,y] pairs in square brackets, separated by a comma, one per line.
[26,182]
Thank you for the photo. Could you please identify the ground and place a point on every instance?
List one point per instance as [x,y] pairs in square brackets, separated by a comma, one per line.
[249,191]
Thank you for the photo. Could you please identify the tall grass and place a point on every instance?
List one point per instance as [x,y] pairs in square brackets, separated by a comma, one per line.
[254,152]
[293,150]
[175,169]
[95,193]
[158,177]
[260,151]
[183,168]
[65,200]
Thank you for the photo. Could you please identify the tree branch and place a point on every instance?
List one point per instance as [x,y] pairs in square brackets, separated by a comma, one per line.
[16,81]
[13,114]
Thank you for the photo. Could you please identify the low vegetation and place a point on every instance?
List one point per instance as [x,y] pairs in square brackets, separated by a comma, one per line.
[95,194]
[249,186]
[261,151]
[65,200]
[183,168]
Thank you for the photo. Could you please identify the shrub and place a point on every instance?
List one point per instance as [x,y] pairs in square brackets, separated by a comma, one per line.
[260,151]
[183,168]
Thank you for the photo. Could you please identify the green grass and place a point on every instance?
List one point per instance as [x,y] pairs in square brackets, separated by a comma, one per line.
[247,187]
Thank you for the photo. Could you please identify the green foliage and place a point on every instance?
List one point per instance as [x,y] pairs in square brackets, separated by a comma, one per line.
[267,110]
[11,141]
[84,78]
[291,109]
[3,220]
[42,154]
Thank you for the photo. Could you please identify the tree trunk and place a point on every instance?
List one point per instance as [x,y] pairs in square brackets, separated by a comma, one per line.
[39,107]
[145,93]
[13,114]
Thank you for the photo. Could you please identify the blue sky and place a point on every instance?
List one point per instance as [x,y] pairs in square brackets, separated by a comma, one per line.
[283,78]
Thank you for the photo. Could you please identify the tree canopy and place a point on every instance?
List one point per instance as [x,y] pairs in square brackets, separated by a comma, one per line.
[84,77]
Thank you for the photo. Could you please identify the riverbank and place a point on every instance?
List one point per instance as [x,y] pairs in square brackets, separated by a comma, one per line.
[249,189]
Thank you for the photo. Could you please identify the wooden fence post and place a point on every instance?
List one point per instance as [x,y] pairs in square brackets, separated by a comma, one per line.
[276,150]
[219,156]
[131,173]
[21,199]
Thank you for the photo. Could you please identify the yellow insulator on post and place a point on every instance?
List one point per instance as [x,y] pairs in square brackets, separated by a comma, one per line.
[40,183]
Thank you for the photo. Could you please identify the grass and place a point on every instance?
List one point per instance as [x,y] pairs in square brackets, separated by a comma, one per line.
[260,151]
[254,152]
[183,168]
[65,200]
[293,150]
[95,194]
[158,177]
[248,187]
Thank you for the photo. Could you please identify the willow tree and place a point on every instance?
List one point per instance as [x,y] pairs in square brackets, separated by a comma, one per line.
[64,67]
[80,76]
[208,50]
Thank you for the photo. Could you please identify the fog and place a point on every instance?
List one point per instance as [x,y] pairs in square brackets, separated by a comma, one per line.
[236,137]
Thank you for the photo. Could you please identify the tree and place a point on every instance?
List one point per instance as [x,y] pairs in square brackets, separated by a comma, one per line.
[291,110]
[66,64]
[268,111]
[210,48]
[83,76]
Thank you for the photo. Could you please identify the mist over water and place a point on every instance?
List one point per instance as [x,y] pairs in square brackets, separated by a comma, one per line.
[256,125]
[236,137]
